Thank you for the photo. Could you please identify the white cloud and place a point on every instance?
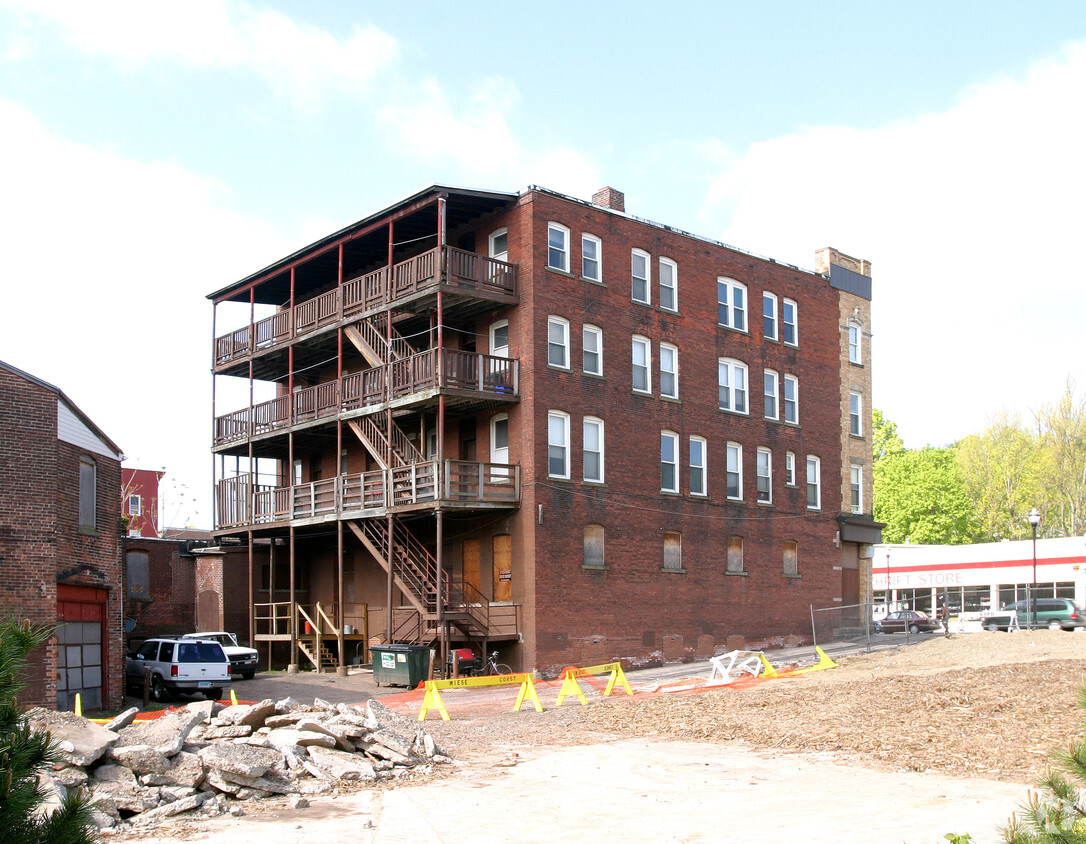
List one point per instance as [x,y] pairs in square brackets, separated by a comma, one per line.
[106,263]
[972,219]
[298,61]
[478,140]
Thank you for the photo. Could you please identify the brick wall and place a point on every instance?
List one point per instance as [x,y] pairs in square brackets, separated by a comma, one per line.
[630,606]
[171,610]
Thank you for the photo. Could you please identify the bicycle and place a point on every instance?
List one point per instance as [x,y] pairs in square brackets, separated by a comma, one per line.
[494,668]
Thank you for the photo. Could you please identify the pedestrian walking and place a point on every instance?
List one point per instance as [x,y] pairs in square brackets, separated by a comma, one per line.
[946,619]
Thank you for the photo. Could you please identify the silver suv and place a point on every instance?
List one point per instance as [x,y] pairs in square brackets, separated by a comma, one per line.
[179,665]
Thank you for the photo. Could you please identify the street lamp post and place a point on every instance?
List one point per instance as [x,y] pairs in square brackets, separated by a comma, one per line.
[1034,519]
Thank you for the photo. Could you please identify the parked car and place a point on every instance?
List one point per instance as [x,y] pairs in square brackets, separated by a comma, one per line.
[1053,613]
[912,620]
[179,665]
[243,660]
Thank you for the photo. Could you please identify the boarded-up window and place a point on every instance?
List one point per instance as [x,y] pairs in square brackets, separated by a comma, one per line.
[88,490]
[137,575]
[673,551]
[593,546]
[735,553]
[791,556]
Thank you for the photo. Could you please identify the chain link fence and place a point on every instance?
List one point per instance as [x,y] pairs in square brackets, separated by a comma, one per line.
[870,624]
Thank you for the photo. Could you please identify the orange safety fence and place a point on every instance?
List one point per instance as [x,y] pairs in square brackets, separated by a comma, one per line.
[506,694]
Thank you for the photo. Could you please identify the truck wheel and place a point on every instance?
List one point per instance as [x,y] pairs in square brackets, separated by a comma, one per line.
[159,692]
[214,694]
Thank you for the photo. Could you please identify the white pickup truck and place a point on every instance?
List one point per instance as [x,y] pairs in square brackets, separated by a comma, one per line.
[242,660]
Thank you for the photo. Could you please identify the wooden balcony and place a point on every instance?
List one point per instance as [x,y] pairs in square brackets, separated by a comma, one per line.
[464,374]
[457,484]
[447,268]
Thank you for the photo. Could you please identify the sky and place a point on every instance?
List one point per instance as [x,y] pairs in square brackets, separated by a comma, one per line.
[152,153]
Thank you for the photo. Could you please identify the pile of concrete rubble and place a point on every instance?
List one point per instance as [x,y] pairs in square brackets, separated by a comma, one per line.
[206,756]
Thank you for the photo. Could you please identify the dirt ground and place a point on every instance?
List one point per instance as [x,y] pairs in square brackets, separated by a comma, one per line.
[984,706]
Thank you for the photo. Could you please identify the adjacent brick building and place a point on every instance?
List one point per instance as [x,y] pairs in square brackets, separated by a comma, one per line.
[540,424]
[60,532]
[140,501]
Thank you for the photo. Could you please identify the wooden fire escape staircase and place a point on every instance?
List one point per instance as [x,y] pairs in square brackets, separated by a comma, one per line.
[411,564]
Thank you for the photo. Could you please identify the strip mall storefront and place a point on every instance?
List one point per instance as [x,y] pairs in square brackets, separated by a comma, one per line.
[976,579]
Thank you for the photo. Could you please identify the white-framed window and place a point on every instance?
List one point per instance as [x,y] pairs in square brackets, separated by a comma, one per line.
[558,247]
[856,487]
[814,483]
[591,256]
[88,493]
[791,399]
[642,365]
[499,447]
[669,371]
[498,244]
[557,444]
[731,299]
[592,349]
[558,342]
[855,414]
[669,461]
[769,316]
[669,285]
[771,390]
[765,476]
[135,505]
[789,322]
[789,468]
[640,276]
[697,466]
[733,471]
[732,385]
[673,551]
[593,449]
[855,341]
[499,338]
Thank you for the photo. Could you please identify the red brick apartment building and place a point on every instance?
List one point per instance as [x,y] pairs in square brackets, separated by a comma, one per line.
[140,501]
[60,541]
[532,423]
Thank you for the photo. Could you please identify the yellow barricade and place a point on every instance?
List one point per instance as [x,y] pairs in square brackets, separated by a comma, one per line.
[570,686]
[432,698]
[823,663]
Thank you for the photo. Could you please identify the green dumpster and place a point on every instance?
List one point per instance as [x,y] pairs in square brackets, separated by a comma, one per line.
[400,665]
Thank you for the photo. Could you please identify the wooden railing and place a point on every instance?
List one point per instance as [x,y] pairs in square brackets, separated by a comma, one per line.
[488,375]
[456,268]
[240,501]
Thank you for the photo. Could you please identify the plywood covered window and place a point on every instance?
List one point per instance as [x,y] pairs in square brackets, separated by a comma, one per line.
[673,551]
[88,492]
[735,554]
[593,546]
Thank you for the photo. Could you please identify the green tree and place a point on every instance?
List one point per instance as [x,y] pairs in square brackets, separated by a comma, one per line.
[1055,814]
[999,468]
[885,441]
[23,753]
[1062,430]
[920,497]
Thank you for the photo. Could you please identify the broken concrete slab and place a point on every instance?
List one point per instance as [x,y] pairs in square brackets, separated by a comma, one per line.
[82,742]
[166,733]
[123,720]
[342,766]
[242,759]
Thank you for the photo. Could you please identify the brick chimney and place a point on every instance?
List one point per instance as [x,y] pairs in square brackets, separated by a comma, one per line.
[610,198]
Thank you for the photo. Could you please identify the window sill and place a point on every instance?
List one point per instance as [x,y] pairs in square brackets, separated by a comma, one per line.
[672,493]
[788,576]
[663,310]
[639,302]
[859,437]
[645,393]
[857,364]
[558,368]
[86,530]
[731,412]
[733,330]
[595,375]
[561,272]
[666,570]
[586,567]
[563,479]
[588,280]
[737,573]
[671,399]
